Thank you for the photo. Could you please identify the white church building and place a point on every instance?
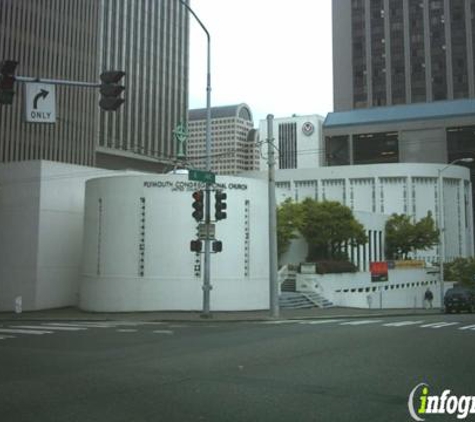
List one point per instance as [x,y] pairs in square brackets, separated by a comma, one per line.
[119,241]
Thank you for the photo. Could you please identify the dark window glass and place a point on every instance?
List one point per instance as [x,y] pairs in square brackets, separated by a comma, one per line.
[376,148]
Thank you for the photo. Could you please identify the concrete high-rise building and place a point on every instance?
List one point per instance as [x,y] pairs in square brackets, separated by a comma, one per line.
[54,40]
[389,52]
[298,140]
[148,39]
[234,146]
[71,40]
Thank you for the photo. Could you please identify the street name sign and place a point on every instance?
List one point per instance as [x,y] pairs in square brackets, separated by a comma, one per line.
[40,103]
[201,176]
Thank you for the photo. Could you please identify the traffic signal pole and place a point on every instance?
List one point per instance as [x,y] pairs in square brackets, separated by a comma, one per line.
[207,265]
[207,287]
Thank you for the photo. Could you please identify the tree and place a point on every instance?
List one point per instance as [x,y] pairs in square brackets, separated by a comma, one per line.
[398,236]
[426,235]
[403,236]
[287,222]
[327,226]
[461,270]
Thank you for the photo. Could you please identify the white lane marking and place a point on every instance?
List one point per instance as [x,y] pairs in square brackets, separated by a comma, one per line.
[126,330]
[133,323]
[5,337]
[321,321]
[362,322]
[402,323]
[51,327]
[468,327]
[163,332]
[20,331]
[439,324]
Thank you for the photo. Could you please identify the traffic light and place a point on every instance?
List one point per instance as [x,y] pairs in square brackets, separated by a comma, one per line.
[220,205]
[198,203]
[196,246]
[217,246]
[111,90]
[7,81]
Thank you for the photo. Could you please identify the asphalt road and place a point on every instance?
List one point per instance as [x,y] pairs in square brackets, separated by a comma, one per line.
[323,370]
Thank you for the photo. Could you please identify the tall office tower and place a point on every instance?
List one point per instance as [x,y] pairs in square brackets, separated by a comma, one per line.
[389,52]
[55,40]
[77,40]
[234,140]
[148,39]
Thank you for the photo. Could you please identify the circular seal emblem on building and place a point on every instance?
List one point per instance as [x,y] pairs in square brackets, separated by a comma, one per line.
[308,128]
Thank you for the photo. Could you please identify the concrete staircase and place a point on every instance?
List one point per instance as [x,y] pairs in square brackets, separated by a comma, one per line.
[296,300]
[291,299]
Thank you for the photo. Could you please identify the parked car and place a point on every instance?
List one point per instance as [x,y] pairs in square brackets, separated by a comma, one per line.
[459,299]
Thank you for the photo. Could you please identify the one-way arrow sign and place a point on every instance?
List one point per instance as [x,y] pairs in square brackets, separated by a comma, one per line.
[40,103]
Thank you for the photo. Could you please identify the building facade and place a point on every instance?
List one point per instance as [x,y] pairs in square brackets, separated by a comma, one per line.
[122,240]
[437,132]
[234,140]
[70,40]
[64,48]
[149,41]
[374,192]
[389,52]
[298,140]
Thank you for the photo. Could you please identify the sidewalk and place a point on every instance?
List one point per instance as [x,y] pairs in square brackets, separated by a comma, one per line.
[75,314]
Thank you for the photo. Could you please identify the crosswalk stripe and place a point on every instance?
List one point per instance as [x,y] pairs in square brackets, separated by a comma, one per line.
[20,331]
[468,327]
[5,337]
[439,324]
[163,332]
[79,325]
[402,323]
[362,322]
[321,321]
[126,330]
[284,321]
[52,327]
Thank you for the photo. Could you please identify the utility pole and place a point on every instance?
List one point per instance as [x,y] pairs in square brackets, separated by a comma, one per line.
[273,287]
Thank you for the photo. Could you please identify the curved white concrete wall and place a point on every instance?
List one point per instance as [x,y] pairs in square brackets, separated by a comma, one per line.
[403,188]
[136,246]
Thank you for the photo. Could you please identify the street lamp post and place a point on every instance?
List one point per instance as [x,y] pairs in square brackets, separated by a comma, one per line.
[442,225]
[207,266]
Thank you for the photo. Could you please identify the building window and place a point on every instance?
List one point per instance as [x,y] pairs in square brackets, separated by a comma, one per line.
[288,146]
[374,148]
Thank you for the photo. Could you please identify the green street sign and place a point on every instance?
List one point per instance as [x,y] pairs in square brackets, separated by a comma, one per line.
[201,176]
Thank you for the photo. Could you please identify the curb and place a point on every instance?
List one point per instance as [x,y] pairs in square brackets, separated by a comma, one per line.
[218,319]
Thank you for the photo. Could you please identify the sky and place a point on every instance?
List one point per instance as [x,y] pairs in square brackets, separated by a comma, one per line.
[275,56]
